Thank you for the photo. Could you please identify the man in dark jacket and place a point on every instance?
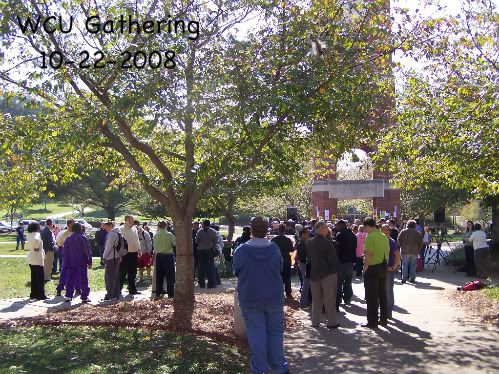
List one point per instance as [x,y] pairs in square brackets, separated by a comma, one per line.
[206,240]
[346,245]
[323,275]
[286,247]
[50,247]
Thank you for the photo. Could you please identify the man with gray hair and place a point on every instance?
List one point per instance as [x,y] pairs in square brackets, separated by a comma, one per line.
[410,242]
[323,275]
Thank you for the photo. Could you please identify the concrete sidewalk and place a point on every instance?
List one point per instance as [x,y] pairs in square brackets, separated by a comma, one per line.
[429,335]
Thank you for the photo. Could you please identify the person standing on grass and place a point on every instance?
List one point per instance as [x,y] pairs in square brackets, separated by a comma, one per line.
[164,251]
[128,266]
[36,262]
[377,252]
[77,259]
[323,275]
[410,242]
[393,265]
[286,247]
[20,236]
[469,251]
[112,259]
[50,247]
[60,240]
[346,245]
[257,265]
[482,251]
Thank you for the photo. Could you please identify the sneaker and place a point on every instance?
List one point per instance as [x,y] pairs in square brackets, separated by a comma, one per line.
[403,281]
[134,293]
[85,301]
[369,326]
[412,281]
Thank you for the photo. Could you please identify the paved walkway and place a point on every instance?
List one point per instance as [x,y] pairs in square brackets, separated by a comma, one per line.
[428,335]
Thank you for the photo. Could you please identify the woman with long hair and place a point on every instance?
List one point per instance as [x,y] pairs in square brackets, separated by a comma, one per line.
[468,250]
[36,261]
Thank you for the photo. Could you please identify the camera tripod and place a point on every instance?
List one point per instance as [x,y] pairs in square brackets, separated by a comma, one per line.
[437,257]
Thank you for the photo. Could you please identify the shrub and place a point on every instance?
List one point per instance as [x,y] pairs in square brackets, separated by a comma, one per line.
[456,257]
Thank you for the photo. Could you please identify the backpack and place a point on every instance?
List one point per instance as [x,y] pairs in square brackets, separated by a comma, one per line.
[122,247]
[472,286]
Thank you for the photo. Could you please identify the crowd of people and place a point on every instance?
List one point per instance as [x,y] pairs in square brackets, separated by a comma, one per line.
[328,256]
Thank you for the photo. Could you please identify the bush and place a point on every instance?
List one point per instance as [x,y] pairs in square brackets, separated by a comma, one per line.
[225,270]
[456,257]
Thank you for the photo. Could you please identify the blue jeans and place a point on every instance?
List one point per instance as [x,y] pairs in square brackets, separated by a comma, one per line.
[306,285]
[390,281]
[409,263]
[57,260]
[19,240]
[265,331]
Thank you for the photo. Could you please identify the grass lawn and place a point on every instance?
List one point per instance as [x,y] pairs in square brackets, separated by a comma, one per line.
[39,211]
[8,238]
[108,350]
[492,293]
[15,278]
[10,249]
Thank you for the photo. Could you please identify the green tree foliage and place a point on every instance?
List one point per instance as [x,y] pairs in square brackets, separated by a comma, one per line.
[316,73]
[448,116]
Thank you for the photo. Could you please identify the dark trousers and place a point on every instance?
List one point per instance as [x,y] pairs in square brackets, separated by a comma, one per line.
[165,268]
[37,282]
[470,261]
[57,260]
[286,278]
[206,268]
[359,266]
[344,290]
[376,297]
[128,269]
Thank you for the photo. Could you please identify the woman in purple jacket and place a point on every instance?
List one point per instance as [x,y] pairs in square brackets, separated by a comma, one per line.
[77,259]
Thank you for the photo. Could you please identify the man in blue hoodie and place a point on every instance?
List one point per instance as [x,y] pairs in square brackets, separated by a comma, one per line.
[257,264]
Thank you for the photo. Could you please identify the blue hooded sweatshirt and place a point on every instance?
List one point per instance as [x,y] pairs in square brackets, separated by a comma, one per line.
[257,264]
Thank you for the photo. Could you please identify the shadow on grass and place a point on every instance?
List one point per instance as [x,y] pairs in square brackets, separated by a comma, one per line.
[104,349]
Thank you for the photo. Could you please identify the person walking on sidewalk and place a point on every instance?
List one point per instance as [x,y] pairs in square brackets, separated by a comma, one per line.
[377,251]
[36,261]
[257,265]
[410,242]
[77,259]
[323,275]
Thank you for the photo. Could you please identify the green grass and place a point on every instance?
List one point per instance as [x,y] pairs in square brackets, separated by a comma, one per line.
[7,237]
[15,277]
[492,293]
[109,350]
[9,249]
[40,212]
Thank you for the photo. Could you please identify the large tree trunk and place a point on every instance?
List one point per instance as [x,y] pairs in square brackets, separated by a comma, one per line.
[495,221]
[229,214]
[111,212]
[184,280]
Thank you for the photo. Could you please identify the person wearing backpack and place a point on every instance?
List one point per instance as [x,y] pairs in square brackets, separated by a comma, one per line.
[112,258]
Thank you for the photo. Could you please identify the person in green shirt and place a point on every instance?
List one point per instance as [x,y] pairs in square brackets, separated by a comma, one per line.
[164,246]
[377,251]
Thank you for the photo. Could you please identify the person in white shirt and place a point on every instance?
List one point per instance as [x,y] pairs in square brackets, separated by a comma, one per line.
[145,253]
[112,260]
[128,266]
[36,261]
[482,251]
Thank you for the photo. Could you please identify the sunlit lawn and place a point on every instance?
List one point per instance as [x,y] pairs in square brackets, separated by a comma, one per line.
[15,278]
[109,350]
